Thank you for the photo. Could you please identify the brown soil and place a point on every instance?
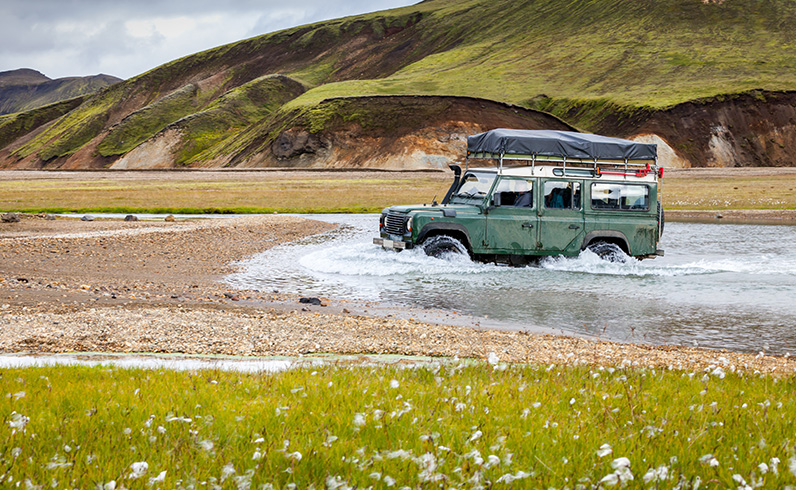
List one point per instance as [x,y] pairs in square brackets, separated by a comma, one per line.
[114,286]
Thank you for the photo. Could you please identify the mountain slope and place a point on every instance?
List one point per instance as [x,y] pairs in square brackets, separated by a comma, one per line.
[26,89]
[621,67]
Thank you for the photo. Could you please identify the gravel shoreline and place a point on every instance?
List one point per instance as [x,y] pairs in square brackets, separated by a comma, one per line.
[115,286]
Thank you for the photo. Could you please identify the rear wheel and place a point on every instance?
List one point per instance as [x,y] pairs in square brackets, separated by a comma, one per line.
[441,245]
[609,251]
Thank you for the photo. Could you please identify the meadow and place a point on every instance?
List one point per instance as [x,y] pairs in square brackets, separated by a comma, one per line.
[440,424]
[333,192]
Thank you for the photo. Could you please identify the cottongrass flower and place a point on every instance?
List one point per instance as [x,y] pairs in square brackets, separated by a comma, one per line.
[604,450]
[773,464]
[157,479]
[335,482]
[389,481]
[492,359]
[111,485]
[476,435]
[509,478]
[621,474]
[227,471]
[18,422]
[742,485]
[394,384]
[359,419]
[709,460]
[206,444]
[660,473]
[792,465]
[295,456]
[137,470]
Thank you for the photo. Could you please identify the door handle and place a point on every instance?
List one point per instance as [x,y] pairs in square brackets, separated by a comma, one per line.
[573,227]
[527,225]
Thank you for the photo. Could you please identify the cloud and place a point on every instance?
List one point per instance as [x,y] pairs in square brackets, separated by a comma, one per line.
[126,37]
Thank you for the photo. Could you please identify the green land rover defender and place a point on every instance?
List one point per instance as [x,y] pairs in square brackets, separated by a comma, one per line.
[548,193]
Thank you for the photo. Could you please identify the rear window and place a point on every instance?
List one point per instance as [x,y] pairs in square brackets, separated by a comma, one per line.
[622,197]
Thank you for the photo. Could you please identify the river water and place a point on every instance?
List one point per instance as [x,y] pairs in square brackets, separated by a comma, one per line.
[719,285]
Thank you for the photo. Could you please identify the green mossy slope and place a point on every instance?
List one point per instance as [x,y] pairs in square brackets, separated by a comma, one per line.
[586,60]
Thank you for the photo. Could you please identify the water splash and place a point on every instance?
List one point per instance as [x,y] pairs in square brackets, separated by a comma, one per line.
[725,286]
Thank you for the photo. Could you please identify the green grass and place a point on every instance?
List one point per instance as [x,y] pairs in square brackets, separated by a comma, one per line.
[454,425]
[174,194]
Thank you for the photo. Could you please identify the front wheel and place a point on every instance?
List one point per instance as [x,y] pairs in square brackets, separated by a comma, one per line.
[441,245]
[610,252]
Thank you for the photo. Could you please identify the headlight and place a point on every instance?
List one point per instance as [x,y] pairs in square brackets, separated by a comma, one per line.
[409,224]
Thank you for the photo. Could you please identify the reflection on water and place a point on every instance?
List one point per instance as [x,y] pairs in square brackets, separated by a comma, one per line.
[719,286]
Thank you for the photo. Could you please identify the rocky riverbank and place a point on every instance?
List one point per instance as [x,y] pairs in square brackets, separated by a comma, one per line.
[115,286]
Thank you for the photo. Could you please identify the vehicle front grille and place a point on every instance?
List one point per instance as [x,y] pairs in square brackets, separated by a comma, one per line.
[395,223]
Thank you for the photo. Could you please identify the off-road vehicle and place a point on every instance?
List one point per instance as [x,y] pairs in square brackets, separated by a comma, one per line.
[564,192]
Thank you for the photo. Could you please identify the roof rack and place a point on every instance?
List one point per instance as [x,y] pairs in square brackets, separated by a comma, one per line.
[626,168]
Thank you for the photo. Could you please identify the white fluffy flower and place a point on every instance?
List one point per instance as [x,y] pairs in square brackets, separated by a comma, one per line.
[18,421]
[158,479]
[138,469]
[604,450]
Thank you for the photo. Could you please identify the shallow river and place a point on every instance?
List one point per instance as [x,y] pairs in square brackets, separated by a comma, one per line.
[719,285]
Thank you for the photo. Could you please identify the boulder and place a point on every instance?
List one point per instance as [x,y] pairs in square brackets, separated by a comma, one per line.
[87,217]
[131,217]
[9,218]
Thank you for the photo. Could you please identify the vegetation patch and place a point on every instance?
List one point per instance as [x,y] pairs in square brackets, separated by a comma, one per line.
[455,424]
[13,126]
[258,194]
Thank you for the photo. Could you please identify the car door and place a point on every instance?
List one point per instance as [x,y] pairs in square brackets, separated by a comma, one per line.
[561,216]
[512,221]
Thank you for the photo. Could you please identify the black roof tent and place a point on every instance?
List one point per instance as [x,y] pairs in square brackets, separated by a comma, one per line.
[565,144]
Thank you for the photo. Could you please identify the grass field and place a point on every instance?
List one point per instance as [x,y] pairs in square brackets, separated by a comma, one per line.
[254,193]
[320,192]
[437,425]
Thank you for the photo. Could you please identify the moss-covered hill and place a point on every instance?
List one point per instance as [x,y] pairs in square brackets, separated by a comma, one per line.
[25,89]
[690,74]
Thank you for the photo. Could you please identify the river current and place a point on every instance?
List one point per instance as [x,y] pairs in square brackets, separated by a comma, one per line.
[719,285]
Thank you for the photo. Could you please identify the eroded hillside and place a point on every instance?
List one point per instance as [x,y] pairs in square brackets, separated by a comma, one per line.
[710,82]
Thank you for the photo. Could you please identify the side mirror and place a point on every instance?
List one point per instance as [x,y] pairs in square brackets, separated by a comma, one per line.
[497,199]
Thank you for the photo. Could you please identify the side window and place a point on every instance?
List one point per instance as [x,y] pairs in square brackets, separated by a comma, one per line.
[562,195]
[515,192]
[624,197]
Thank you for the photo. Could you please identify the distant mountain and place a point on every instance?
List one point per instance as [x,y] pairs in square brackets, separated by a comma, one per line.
[712,82]
[26,89]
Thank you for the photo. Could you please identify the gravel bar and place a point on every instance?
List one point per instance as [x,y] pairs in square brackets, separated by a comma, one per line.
[153,287]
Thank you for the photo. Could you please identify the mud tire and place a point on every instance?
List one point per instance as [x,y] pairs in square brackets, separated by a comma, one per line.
[440,245]
[610,252]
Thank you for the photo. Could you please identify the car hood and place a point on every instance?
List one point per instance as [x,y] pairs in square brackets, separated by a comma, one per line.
[406,209]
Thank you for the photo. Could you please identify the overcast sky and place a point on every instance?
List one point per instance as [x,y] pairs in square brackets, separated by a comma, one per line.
[124,38]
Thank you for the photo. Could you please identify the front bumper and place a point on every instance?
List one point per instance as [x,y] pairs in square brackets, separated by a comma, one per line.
[388,244]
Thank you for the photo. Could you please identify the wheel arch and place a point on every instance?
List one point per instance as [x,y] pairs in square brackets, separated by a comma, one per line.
[609,236]
[454,230]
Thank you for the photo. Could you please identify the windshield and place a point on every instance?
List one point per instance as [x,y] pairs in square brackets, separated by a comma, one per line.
[474,186]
